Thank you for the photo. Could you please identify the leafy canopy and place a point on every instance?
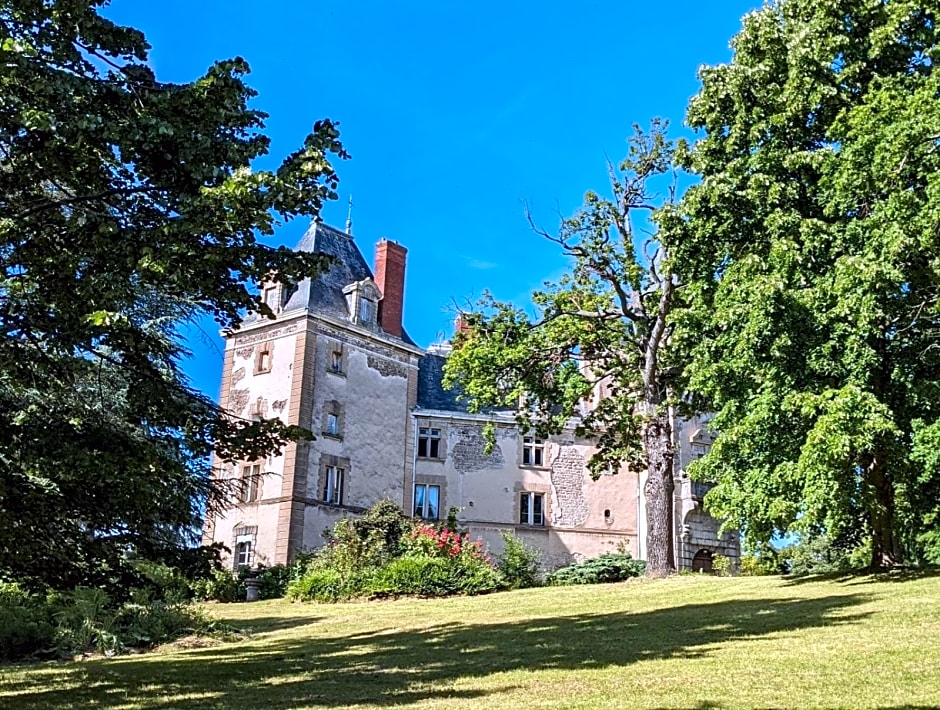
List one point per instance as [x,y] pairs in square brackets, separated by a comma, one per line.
[127,205]
[813,273]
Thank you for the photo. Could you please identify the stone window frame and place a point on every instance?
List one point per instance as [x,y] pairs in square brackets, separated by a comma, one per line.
[264,358]
[337,359]
[431,480]
[333,408]
[243,545]
[538,445]
[529,488]
[250,482]
[441,440]
[337,463]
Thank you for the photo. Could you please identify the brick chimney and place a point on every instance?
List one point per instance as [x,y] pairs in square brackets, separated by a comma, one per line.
[390,278]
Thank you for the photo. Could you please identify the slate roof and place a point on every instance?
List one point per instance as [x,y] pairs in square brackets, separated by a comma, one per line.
[324,293]
[431,392]
[433,395]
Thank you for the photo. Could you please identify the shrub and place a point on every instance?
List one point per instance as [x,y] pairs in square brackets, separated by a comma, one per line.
[722,566]
[145,621]
[821,555]
[274,581]
[518,563]
[610,567]
[426,576]
[87,620]
[384,526]
[220,586]
[759,565]
[327,585]
[26,627]
[421,576]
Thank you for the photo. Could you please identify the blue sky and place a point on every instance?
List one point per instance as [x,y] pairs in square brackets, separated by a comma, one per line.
[454,114]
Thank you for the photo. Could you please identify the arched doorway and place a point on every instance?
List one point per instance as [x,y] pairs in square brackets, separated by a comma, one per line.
[702,562]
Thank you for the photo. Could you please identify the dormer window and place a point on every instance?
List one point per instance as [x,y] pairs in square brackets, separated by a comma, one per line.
[270,297]
[362,300]
[367,311]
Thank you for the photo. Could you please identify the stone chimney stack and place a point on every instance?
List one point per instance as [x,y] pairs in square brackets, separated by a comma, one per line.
[390,278]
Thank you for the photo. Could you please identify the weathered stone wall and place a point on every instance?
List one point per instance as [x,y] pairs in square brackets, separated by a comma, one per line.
[695,530]
[250,392]
[373,394]
[583,517]
[370,393]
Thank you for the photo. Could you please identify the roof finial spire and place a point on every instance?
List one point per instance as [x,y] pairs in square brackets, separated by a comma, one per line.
[349,216]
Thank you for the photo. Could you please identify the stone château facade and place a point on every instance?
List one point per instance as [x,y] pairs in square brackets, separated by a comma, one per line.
[338,361]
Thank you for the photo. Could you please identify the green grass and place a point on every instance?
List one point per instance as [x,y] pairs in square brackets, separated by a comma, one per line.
[685,642]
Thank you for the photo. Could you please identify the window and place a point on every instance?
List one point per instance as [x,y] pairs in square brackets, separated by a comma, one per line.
[270,298]
[264,359]
[243,554]
[250,483]
[367,310]
[333,490]
[332,424]
[429,443]
[333,419]
[336,361]
[362,299]
[427,501]
[533,451]
[531,510]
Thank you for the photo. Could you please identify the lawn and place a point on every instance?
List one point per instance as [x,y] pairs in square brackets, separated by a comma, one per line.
[685,642]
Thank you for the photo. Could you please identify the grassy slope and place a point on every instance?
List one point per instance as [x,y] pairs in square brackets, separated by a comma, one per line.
[686,642]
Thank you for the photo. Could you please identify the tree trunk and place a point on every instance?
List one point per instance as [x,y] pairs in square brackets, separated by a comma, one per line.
[657,442]
[885,546]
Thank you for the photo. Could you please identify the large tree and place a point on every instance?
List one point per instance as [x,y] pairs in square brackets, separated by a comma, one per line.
[126,205]
[597,349]
[814,274]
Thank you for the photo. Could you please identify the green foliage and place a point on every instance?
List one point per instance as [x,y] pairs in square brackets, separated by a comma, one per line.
[384,554]
[518,563]
[419,576]
[822,555]
[129,206]
[323,584]
[721,566]
[603,325]
[610,567]
[220,586]
[274,580]
[86,620]
[762,564]
[224,586]
[26,628]
[811,272]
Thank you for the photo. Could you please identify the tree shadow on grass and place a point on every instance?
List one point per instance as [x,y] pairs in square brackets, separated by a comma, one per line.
[865,576]
[391,666]
[266,624]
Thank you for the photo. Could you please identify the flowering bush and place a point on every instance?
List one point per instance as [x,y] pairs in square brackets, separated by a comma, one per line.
[438,562]
[384,554]
[429,541]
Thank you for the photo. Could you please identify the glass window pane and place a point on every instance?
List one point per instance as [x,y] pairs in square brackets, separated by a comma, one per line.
[536,510]
[434,500]
[524,508]
[419,500]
